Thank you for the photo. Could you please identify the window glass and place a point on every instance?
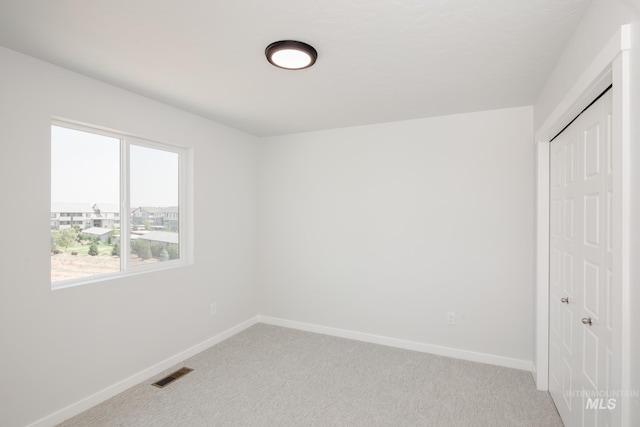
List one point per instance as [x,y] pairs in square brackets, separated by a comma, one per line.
[154,196]
[85,170]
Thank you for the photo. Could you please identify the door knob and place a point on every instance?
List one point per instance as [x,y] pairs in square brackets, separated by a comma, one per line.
[586,320]
[564,300]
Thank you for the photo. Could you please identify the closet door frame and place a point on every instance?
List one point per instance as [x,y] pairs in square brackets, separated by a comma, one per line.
[611,67]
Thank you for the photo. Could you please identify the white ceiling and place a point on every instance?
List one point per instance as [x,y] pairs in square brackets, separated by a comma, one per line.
[378,60]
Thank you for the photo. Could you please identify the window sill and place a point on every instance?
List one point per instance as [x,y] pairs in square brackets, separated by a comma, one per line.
[133,271]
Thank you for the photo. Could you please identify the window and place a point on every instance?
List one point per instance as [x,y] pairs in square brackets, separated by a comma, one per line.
[113,194]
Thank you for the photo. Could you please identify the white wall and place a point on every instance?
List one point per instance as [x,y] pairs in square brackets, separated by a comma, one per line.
[58,347]
[600,23]
[383,229]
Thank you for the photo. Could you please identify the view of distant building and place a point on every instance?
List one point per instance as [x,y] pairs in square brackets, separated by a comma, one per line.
[166,237]
[67,215]
[166,218]
[107,215]
[102,234]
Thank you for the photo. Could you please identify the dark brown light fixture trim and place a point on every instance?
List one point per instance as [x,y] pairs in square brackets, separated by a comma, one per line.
[172,377]
[302,54]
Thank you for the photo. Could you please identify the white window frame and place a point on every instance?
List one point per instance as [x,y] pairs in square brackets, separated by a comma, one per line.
[184,206]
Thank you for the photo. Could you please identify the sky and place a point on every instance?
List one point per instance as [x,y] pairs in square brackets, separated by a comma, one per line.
[85,168]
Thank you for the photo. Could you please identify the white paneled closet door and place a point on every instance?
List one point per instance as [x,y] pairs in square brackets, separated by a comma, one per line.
[581,334]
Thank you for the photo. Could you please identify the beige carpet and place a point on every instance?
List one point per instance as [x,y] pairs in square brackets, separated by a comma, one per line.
[272,376]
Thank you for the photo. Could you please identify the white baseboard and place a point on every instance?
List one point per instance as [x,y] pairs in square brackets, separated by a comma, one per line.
[119,387]
[534,375]
[473,356]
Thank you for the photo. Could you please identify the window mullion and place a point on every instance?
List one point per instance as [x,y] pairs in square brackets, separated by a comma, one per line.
[125,215]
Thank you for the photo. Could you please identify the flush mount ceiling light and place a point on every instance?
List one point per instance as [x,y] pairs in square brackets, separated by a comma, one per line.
[291,54]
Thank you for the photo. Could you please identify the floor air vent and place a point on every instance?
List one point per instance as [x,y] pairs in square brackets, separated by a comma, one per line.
[172,377]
